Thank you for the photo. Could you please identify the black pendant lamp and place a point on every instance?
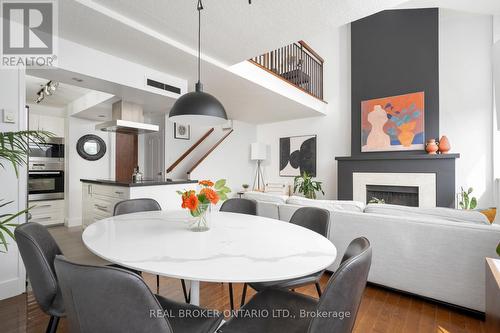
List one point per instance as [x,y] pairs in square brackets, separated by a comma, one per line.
[198,107]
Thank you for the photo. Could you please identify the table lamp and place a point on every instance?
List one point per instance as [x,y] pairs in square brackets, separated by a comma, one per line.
[258,152]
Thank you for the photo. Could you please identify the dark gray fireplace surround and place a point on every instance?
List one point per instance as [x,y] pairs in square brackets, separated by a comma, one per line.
[442,165]
[396,52]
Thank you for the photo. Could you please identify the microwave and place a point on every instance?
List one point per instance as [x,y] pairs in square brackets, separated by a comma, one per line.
[52,148]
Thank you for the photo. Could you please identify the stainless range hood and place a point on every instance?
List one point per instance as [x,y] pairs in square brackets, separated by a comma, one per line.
[128,118]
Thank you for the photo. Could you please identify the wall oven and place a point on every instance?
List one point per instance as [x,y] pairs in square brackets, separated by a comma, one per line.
[46,170]
[45,185]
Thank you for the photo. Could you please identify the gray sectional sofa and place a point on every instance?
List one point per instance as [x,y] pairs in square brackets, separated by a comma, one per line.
[437,253]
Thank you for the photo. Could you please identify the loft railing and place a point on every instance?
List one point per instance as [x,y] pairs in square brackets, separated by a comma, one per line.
[297,64]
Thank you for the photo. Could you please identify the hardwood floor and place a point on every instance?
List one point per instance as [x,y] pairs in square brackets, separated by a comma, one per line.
[381,310]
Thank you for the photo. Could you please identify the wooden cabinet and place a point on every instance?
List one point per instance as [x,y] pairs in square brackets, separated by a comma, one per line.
[47,123]
[47,212]
[492,295]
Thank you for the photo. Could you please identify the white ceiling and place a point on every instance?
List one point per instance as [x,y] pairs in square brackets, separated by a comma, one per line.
[154,103]
[64,94]
[488,7]
[161,34]
[233,30]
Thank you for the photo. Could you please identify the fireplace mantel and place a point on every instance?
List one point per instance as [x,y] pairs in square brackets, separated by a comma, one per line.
[369,157]
[443,166]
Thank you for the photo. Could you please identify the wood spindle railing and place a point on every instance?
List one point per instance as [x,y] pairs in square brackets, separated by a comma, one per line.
[297,64]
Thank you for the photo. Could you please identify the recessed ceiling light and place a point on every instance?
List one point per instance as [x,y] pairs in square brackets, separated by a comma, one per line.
[77,79]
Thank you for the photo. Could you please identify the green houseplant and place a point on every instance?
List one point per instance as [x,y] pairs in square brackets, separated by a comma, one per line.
[307,186]
[467,202]
[14,148]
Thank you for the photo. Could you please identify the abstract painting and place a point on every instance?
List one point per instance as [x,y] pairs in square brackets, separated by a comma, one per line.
[393,123]
[298,154]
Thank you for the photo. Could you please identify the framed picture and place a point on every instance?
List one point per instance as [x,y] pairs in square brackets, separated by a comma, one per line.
[182,132]
[393,123]
[298,154]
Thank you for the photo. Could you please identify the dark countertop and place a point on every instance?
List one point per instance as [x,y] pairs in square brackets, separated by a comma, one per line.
[367,156]
[143,183]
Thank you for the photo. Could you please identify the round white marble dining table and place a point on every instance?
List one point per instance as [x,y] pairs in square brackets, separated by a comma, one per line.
[237,248]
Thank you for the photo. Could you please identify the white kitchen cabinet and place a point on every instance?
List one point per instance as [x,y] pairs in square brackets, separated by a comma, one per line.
[47,123]
[47,212]
[99,200]
[86,204]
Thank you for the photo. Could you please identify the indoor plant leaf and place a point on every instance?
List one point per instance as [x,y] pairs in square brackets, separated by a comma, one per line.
[473,203]
[219,184]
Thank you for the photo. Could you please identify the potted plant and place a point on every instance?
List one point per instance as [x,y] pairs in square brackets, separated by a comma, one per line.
[245,187]
[466,201]
[307,186]
[14,149]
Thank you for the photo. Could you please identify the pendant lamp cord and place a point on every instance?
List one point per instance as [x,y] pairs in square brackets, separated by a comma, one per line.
[199,8]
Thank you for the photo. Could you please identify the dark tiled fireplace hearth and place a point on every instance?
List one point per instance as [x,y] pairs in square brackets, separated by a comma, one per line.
[436,171]
[395,195]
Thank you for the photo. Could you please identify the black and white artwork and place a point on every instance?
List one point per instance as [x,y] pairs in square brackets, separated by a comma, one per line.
[181,131]
[298,154]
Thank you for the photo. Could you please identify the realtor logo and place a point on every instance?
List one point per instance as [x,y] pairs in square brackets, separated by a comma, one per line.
[28,33]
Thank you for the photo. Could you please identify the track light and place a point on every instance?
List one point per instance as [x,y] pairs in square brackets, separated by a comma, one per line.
[47,90]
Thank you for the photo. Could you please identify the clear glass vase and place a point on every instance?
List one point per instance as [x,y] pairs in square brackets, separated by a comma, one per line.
[203,218]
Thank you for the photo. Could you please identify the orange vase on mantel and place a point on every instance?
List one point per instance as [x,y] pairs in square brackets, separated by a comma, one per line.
[431,147]
[444,145]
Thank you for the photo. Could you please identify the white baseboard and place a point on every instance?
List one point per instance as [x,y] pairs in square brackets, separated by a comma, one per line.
[11,288]
[73,222]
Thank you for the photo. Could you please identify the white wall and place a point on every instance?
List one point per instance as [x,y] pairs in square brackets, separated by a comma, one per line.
[12,99]
[77,167]
[231,159]
[334,129]
[466,97]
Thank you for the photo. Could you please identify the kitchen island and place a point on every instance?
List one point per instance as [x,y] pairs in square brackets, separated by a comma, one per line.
[100,195]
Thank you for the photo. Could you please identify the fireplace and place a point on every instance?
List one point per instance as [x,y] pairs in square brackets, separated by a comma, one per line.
[434,175]
[409,189]
[395,195]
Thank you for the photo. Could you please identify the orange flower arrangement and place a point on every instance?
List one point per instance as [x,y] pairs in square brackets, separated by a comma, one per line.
[206,183]
[190,200]
[210,193]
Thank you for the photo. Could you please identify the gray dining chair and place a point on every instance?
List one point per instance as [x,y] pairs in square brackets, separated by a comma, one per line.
[136,205]
[110,299]
[338,306]
[144,205]
[38,250]
[312,218]
[240,206]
